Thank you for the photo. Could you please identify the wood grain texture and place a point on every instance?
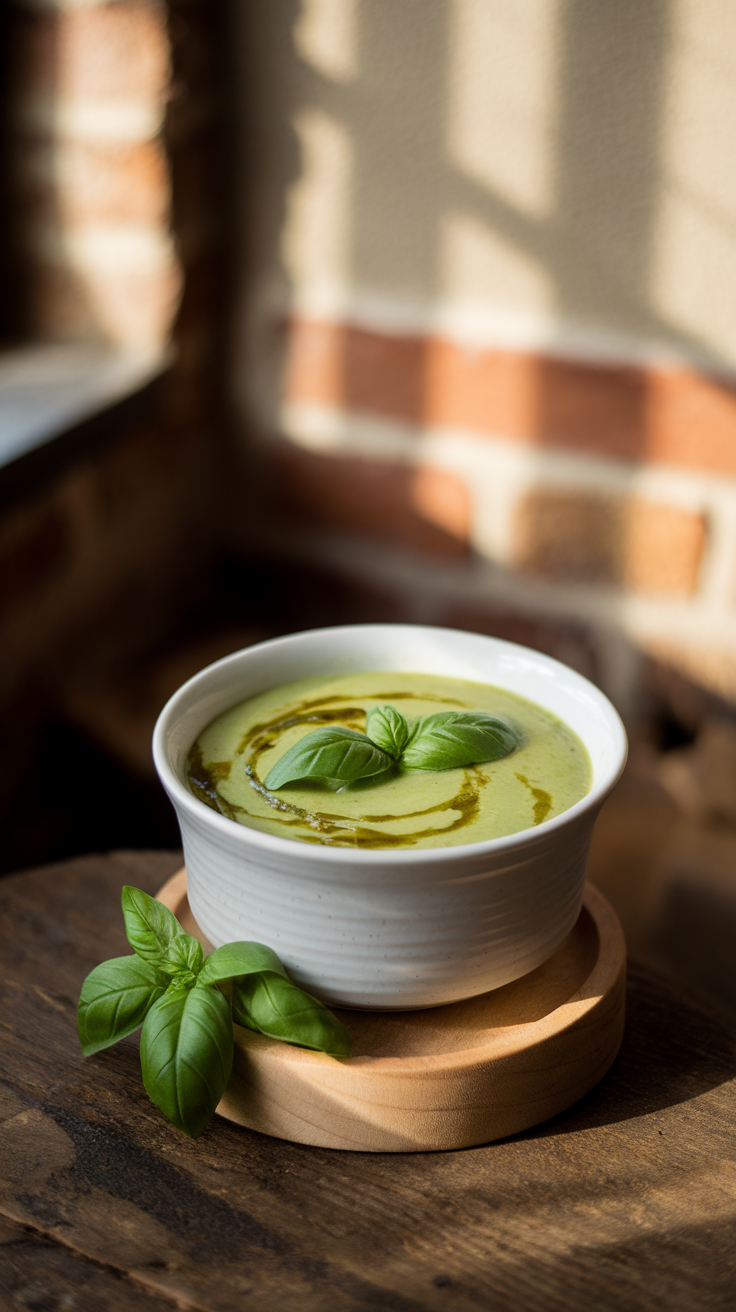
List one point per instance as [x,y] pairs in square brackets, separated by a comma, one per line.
[628,1200]
[447,1077]
[40,1274]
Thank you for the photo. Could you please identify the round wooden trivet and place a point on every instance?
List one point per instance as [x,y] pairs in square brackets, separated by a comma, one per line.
[449,1077]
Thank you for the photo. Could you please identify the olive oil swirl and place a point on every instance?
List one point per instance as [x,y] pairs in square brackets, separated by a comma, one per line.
[326,827]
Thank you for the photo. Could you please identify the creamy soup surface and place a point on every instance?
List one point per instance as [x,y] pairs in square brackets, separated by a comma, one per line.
[547,773]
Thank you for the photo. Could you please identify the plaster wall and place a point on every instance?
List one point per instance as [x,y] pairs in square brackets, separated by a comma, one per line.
[487,260]
[538,167]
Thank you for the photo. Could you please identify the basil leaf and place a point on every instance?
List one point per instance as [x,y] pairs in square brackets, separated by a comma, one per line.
[184,956]
[329,753]
[234,959]
[150,927]
[187,1054]
[115,1000]
[272,1005]
[456,738]
[388,728]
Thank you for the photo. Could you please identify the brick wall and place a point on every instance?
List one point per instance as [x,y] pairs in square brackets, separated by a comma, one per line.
[490,248]
[115,125]
[594,496]
[89,94]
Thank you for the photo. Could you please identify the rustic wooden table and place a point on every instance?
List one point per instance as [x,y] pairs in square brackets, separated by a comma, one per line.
[626,1201]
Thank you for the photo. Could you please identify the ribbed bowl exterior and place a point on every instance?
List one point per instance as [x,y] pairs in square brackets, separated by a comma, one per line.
[382,929]
[389,937]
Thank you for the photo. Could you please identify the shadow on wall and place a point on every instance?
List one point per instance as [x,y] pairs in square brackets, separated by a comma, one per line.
[395,167]
[393,160]
[379,131]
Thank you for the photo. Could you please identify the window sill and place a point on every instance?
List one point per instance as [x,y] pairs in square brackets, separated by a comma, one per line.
[59,401]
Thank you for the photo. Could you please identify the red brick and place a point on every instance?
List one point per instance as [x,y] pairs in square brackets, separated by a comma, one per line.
[86,182]
[114,184]
[333,364]
[521,395]
[373,498]
[664,546]
[691,420]
[110,51]
[113,51]
[673,416]
[442,499]
[482,391]
[626,542]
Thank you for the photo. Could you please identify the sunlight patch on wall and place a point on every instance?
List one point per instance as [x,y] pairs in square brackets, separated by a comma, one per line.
[694,269]
[478,264]
[316,240]
[325,36]
[130,277]
[695,273]
[503,98]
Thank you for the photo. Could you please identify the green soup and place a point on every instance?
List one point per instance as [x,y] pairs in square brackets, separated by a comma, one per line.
[547,773]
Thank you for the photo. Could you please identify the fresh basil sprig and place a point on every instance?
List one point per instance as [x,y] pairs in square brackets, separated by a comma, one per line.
[187,1002]
[444,741]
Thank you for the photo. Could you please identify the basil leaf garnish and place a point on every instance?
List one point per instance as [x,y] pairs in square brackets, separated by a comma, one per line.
[184,956]
[272,1005]
[187,1054]
[150,927]
[115,999]
[235,959]
[329,753]
[451,739]
[443,741]
[388,729]
[187,1036]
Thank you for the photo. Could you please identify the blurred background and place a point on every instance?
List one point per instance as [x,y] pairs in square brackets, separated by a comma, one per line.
[323,311]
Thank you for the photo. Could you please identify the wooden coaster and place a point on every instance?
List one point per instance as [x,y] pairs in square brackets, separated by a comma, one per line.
[449,1077]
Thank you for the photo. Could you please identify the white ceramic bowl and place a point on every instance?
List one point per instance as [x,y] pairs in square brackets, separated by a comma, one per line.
[382,929]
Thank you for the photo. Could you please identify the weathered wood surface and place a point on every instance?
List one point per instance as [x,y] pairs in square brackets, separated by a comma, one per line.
[626,1201]
[447,1077]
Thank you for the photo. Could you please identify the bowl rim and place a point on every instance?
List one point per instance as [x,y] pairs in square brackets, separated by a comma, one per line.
[308,852]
